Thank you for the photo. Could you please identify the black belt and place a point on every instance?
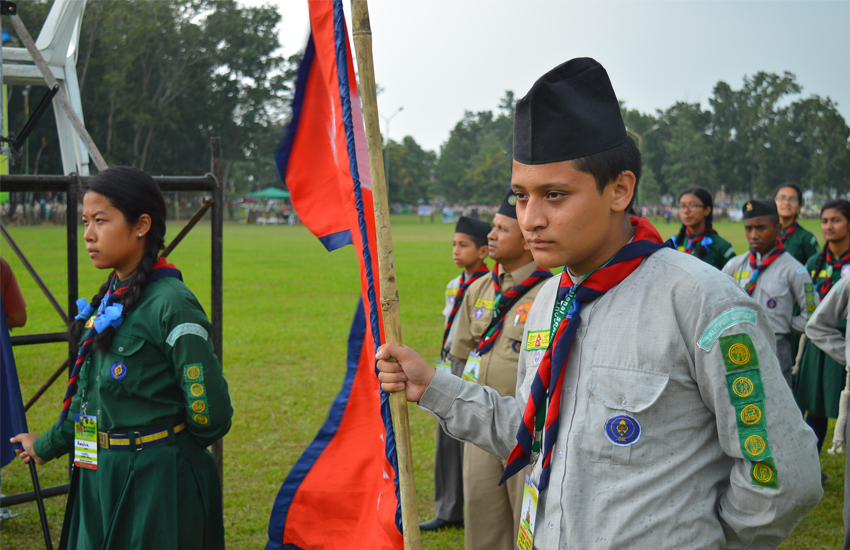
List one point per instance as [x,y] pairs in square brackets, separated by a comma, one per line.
[136,440]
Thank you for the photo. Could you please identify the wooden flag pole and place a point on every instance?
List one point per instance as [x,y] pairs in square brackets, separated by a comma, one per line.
[362,33]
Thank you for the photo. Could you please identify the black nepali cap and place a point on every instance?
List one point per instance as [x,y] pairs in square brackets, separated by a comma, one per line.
[570,112]
[508,207]
[756,209]
[473,228]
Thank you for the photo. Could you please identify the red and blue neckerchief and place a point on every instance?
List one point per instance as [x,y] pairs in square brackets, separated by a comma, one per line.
[108,315]
[464,285]
[502,301]
[694,241]
[549,379]
[788,231]
[826,284]
[758,268]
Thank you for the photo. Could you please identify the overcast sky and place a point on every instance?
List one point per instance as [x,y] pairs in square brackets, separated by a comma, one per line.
[437,59]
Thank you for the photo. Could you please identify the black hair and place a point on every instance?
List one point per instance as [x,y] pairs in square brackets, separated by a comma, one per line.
[133,193]
[479,242]
[842,206]
[793,186]
[706,200]
[608,165]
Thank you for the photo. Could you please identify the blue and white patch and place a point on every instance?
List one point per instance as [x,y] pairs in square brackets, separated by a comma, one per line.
[118,371]
[801,269]
[515,346]
[771,303]
[184,329]
[478,313]
[845,270]
[538,355]
[727,319]
[622,430]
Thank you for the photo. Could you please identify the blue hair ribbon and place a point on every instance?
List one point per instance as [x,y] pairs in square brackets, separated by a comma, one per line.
[85,309]
[111,317]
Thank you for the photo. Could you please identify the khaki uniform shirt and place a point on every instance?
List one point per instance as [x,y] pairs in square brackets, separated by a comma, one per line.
[658,347]
[498,366]
[821,328]
[785,283]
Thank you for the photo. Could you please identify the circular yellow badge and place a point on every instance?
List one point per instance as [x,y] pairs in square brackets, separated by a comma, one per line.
[201,419]
[197,390]
[743,386]
[750,415]
[762,472]
[739,354]
[199,406]
[193,373]
[811,307]
[755,445]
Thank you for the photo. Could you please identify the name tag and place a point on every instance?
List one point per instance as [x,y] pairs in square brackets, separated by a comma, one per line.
[451,291]
[472,367]
[538,339]
[485,304]
[85,441]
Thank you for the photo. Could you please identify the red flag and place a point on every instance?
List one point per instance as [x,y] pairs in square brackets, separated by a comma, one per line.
[343,491]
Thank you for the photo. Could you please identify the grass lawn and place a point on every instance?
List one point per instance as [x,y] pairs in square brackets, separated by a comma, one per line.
[288,306]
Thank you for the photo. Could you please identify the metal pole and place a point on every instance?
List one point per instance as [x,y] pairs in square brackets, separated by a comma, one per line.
[36,487]
[71,198]
[26,93]
[217,257]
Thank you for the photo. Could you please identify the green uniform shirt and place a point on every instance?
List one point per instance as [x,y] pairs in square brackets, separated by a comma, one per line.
[801,244]
[165,335]
[717,253]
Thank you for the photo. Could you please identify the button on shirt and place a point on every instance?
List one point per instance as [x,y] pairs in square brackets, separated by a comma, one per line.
[784,283]
[684,483]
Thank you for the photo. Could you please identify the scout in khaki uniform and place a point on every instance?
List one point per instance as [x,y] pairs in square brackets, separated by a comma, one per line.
[774,279]
[822,331]
[697,237]
[469,249]
[657,416]
[489,334]
[146,395]
[818,385]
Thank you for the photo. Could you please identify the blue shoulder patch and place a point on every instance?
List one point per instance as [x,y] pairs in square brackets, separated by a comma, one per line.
[801,269]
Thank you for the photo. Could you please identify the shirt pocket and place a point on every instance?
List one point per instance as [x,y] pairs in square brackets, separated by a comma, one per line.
[778,293]
[122,366]
[626,417]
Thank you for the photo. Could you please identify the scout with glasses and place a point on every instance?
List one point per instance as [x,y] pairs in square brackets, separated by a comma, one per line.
[798,242]
[696,236]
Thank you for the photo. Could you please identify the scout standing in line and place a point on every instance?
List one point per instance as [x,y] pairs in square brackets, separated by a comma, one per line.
[822,331]
[818,386]
[489,334]
[696,236]
[469,249]
[657,416]
[773,278]
[798,242]
[146,395]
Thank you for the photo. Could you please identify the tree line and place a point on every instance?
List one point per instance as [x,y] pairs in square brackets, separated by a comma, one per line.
[158,79]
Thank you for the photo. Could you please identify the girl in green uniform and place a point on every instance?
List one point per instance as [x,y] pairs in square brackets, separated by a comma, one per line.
[146,395]
[820,380]
[798,242]
[696,236]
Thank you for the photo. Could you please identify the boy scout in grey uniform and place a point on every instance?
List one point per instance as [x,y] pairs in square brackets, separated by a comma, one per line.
[716,456]
[781,285]
[821,331]
[491,514]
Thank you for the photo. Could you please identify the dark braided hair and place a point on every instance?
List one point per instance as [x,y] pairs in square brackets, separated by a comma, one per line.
[842,206]
[706,200]
[133,193]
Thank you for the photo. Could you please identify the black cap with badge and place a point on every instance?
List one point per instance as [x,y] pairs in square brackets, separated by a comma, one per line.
[508,207]
[473,228]
[756,209]
[569,113]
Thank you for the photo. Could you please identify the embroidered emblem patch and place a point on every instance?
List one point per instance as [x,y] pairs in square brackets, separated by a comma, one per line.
[771,303]
[538,355]
[183,330]
[201,419]
[193,372]
[755,445]
[199,406]
[197,390]
[845,270]
[538,339]
[90,322]
[738,352]
[484,304]
[118,371]
[742,387]
[523,310]
[745,387]
[750,414]
[764,474]
[451,291]
[802,269]
[622,430]
[515,346]
[727,319]
[478,313]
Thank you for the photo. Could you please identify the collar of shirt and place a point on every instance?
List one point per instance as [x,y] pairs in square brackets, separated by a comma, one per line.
[760,256]
[509,280]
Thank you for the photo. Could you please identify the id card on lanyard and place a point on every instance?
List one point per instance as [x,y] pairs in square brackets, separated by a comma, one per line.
[85,441]
[528,515]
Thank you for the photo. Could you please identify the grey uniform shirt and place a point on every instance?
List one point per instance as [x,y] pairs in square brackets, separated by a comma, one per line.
[821,328]
[650,348]
[784,283]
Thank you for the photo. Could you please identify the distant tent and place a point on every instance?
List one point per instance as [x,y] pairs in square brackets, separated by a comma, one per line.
[270,193]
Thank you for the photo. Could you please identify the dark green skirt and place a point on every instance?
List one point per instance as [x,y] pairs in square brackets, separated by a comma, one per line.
[818,385]
[166,497]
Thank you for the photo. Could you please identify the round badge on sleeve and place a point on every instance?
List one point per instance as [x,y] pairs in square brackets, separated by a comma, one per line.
[622,429]
[515,346]
[771,303]
[118,371]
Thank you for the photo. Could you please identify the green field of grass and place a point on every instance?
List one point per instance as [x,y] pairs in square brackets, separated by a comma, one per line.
[288,306]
